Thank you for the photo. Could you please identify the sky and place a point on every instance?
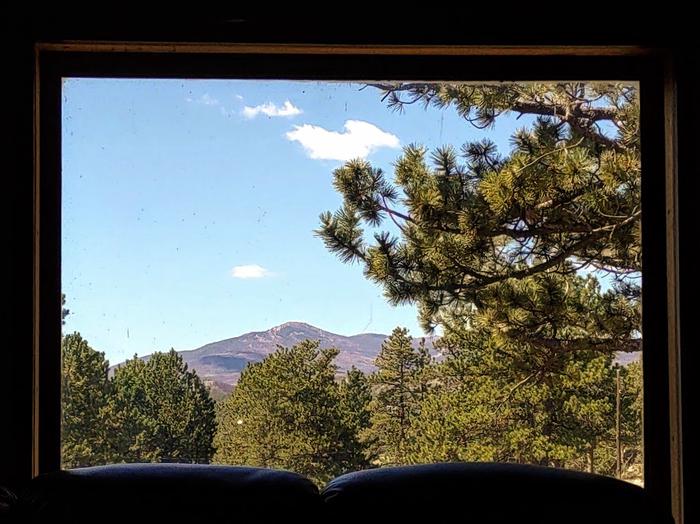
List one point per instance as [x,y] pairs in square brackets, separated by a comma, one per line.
[188,206]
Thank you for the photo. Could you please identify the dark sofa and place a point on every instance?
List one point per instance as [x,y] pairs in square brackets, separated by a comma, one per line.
[458,492]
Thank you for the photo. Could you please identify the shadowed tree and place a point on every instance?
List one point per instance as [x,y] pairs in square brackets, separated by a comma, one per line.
[64,311]
[485,404]
[84,398]
[287,411]
[355,397]
[398,388]
[161,412]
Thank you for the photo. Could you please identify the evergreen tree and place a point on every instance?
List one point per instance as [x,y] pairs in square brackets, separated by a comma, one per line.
[485,405]
[64,311]
[632,400]
[285,412]
[84,397]
[476,226]
[355,397]
[603,456]
[490,247]
[161,412]
[399,386]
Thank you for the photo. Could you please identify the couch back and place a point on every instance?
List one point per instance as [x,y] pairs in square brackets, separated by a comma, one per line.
[487,493]
[455,492]
[168,493]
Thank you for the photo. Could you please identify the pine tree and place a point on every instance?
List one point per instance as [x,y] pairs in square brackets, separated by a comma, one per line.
[64,310]
[84,397]
[486,404]
[285,412]
[491,246]
[605,452]
[398,388]
[475,227]
[632,408]
[355,397]
[160,412]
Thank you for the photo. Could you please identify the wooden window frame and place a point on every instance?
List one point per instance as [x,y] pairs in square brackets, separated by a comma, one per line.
[53,61]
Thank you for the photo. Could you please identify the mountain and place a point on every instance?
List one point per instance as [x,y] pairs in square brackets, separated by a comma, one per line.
[220,363]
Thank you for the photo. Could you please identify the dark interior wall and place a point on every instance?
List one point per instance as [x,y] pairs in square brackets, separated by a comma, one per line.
[17,173]
[16,355]
[688,69]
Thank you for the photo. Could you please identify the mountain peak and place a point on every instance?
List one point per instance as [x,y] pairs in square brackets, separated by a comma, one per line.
[223,361]
[296,330]
[294,324]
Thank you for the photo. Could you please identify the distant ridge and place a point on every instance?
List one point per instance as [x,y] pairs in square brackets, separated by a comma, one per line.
[220,363]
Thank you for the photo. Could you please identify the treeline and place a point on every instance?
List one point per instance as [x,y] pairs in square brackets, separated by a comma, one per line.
[473,404]
[291,411]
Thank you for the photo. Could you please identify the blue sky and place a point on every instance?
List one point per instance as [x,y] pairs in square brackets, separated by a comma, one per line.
[189,206]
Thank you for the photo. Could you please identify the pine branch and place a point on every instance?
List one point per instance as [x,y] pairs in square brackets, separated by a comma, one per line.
[580,118]
[606,345]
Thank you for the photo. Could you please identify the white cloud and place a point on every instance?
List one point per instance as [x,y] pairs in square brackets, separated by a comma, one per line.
[250,271]
[270,109]
[359,139]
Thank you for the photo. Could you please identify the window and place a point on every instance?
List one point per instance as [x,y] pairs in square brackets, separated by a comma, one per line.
[301,65]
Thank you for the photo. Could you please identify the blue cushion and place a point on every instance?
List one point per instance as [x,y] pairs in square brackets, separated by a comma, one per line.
[169,492]
[487,493]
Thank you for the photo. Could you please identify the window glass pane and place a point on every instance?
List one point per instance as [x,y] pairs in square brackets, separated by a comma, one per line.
[325,277]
